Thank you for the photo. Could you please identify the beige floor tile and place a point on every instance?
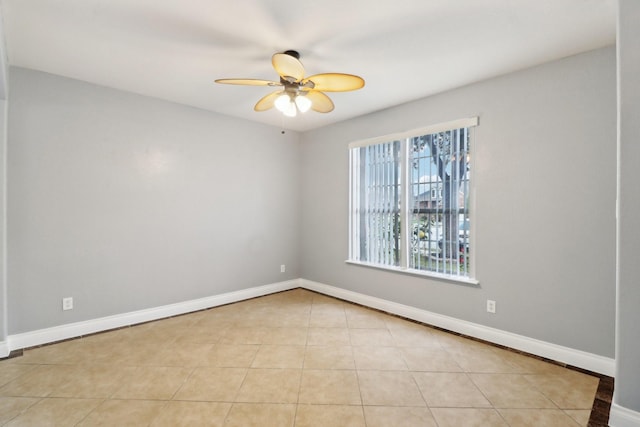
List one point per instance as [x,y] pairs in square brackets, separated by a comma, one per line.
[330,387]
[184,320]
[379,358]
[453,341]
[212,384]
[571,390]
[67,352]
[55,412]
[443,389]
[329,357]
[281,319]
[243,335]
[319,299]
[286,336]
[537,418]
[279,356]
[248,321]
[192,414]
[581,416]
[364,318]
[198,335]
[321,302]
[468,417]
[263,318]
[328,336]
[128,354]
[371,337]
[112,336]
[327,320]
[171,332]
[186,355]
[510,391]
[270,386]
[326,303]
[92,381]
[216,319]
[261,415]
[389,388]
[398,323]
[146,333]
[329,416]
[11,407]
[12,371]
[122,353]
[299,296]
[40,382]
[414,337]
[123,413]
[429,359]
[524,364]
[153,383]
[231,355]
[385,416]
[480,360]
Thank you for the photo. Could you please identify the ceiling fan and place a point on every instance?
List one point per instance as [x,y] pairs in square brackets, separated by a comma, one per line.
[299,93]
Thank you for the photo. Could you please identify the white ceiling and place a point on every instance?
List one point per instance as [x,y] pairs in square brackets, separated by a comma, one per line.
[404,49]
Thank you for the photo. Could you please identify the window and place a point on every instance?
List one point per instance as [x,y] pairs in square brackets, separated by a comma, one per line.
[410,201]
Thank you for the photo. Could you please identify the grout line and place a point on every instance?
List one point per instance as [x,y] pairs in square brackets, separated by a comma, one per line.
[92,411]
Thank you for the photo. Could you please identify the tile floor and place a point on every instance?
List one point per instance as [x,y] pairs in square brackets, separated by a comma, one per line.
[295,358]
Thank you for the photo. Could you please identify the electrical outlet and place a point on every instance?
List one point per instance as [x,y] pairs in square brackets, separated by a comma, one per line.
[283,268]
[491,306]
[67,303]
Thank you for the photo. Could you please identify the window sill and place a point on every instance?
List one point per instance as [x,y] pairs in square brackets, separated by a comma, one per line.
[420,273]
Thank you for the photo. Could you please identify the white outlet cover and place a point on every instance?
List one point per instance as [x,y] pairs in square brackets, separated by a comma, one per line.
[67,303]
[491,306]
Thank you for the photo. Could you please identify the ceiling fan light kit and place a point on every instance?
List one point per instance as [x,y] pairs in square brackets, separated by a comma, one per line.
[299,93]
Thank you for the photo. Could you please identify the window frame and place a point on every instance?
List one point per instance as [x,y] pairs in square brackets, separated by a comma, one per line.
[471,123]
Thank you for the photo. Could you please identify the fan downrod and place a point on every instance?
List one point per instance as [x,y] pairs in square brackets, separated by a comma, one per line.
[293,53]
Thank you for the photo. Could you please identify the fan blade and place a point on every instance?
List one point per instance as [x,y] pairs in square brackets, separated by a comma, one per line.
[335,82]
[288,66]
[266,102]
[319,101]
[248,82]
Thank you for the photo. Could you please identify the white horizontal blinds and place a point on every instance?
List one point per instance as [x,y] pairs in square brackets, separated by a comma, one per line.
[439,206]
[375,220]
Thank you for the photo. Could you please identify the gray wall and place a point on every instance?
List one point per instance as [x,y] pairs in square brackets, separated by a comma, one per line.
[627,392]
[3,217]
[3,171]
[125,202]
[545,173]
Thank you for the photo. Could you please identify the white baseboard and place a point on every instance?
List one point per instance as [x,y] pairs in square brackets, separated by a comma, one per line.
[589,361]
[73,330]
[623,417]
[581,359]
